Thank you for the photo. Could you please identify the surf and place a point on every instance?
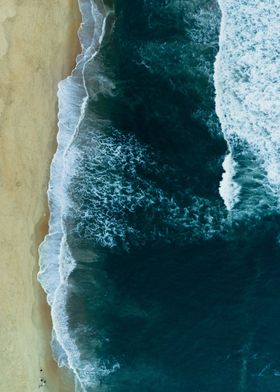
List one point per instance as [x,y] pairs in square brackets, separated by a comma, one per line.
[248,105]
[56,261]
[114,187]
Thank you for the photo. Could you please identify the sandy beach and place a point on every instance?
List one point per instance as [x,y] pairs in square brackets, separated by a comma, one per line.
[38,46]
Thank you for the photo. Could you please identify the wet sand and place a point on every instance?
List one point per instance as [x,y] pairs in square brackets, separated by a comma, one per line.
[38,46]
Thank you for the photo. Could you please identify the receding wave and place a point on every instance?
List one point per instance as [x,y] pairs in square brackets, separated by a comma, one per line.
[56,261]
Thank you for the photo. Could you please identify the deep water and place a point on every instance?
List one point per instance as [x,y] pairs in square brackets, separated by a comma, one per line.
[170,292]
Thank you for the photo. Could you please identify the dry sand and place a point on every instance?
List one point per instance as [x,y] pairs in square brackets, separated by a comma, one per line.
[38,44]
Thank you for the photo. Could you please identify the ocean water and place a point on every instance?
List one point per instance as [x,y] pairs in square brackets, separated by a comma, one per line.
[161,264]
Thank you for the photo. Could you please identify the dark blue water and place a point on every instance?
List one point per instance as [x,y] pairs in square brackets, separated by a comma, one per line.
[170,293]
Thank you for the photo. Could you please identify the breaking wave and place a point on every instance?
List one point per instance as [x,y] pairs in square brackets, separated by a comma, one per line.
[116,187]
[247,103]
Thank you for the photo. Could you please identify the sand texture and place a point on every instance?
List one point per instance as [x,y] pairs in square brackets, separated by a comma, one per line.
[38,45]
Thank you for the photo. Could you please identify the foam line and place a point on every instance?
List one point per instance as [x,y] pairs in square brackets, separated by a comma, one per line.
[56,261]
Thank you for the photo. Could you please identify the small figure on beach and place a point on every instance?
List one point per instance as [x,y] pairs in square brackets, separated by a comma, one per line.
[43,382]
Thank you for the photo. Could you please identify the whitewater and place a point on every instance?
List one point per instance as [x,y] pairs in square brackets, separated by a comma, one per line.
[56,261]
[248,102]
[246,79]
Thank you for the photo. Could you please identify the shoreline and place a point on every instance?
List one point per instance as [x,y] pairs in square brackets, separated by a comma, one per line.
[34,57]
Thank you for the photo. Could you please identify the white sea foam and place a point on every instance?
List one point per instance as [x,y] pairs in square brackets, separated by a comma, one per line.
[247,96]
[56,261]
[229,189]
